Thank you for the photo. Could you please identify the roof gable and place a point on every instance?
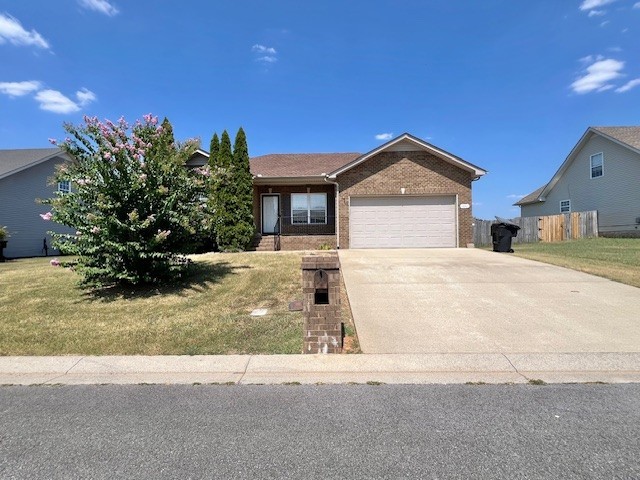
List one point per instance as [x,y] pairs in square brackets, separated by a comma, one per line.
[533,197]
[411,143]
[627,137]
[199,158]
[14,161]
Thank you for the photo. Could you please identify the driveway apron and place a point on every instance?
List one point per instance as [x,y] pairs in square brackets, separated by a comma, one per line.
[476,301]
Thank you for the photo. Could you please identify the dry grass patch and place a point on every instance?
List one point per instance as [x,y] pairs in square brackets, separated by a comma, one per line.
[43,312]
[613,258]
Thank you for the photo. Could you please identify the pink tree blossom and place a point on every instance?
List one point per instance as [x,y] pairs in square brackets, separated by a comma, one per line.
[162,235]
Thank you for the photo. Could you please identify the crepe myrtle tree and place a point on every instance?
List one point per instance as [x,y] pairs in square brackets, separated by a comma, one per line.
[137,210]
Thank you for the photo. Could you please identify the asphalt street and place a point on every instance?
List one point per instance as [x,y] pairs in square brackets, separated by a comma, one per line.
[319,431]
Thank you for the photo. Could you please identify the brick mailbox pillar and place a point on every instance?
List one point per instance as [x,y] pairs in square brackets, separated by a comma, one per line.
[321,304]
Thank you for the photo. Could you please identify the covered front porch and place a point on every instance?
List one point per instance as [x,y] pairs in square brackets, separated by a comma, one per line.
[295,217]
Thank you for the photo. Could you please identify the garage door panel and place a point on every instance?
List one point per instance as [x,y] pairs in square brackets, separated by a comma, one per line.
[402,222]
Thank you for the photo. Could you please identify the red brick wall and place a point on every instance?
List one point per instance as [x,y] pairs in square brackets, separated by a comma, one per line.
[419,173]
[306,242]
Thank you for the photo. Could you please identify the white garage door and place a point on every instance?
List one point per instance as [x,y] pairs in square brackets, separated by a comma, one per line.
[402,222]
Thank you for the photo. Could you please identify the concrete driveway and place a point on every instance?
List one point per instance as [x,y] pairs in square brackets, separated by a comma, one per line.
[475,301]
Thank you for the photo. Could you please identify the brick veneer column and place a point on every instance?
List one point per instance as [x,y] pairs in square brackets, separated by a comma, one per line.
[322,322]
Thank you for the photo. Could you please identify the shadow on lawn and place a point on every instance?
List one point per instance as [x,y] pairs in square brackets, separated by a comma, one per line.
[198,277]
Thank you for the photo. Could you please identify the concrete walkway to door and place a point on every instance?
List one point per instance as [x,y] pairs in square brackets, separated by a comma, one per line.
[476,301]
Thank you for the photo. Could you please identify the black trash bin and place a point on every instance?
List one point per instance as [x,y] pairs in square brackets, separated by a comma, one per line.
[501,234]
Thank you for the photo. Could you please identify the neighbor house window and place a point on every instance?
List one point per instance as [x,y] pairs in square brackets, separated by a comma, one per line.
[565,206]
[308,208]
[597,163]
[64,186]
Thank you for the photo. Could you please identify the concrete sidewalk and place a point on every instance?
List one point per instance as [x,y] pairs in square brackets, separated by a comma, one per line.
[310,369]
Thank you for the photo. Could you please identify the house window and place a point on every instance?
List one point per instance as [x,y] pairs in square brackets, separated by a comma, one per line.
[565,206]
[308,208]
[64,186]
[597,164]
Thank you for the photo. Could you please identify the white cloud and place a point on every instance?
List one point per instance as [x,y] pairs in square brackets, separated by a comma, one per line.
[265,54]
[12,31]
[56,102]
[516,195]
[262,49]
[50,100]
[384,136]
[629,85]
[636,5]
[591,4]
[101,6]
[591,58]
[596,13]
[598,75]
[606,22]
[85,97]
[18,89]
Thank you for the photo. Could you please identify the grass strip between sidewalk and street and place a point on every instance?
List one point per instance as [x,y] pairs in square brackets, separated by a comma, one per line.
[617,259]
[44,312]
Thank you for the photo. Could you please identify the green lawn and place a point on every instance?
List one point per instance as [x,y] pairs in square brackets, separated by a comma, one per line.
[614,258]
[43,312]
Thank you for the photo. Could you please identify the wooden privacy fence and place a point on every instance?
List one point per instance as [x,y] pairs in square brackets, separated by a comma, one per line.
[550,228]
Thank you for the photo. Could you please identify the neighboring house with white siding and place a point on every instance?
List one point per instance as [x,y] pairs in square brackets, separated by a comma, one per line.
[26,175]
[601,173]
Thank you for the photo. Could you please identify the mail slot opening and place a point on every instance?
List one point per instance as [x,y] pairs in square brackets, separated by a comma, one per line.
[321,296]
[321,288]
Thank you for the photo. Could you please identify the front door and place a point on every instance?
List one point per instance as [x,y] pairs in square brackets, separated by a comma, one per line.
[270,211]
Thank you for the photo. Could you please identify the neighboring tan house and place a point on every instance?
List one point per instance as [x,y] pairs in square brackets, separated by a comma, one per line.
[601,173]
[406,193]
[25,175]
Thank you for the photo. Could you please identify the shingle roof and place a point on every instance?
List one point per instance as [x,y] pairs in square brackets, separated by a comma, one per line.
[299,164]
[15,160]
[628,135]
[531,198]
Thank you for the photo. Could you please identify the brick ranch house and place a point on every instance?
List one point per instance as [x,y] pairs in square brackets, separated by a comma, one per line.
[406,193]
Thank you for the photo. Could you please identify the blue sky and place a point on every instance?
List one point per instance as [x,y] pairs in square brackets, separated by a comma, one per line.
[508,85]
